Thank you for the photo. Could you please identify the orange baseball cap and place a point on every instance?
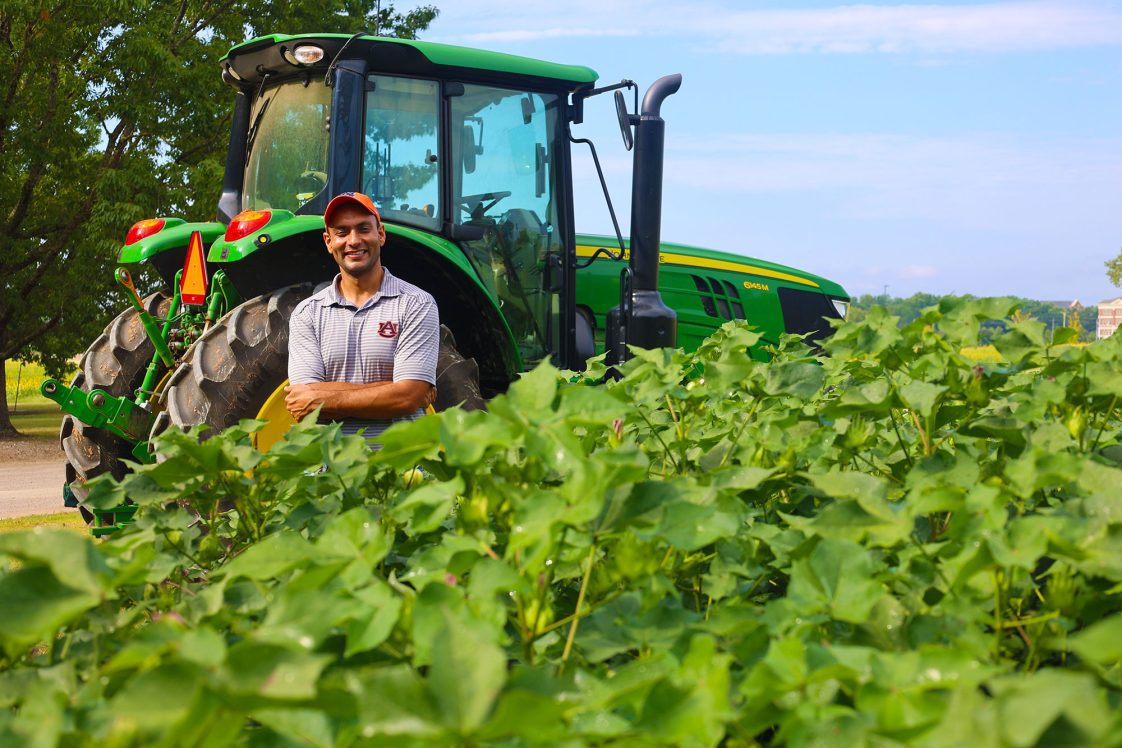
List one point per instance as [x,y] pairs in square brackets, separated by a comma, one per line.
[350,198]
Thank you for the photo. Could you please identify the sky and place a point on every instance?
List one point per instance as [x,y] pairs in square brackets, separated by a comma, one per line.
[958,147]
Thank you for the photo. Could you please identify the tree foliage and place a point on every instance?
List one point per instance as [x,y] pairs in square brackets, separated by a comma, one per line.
[1085,321]
[1114,270]
[112,111]
[895,545]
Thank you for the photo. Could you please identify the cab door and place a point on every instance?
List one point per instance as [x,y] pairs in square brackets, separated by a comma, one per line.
[504,145]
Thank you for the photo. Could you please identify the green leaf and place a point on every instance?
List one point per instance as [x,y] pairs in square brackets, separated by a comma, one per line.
[393,701]
[1051,707]
[407,443]
[693,708]
[424,508]
[70,557]
[304,726]
[837,578]
[1023,341]
[273,671]
[467,435]
[532,394]
[626,624]
[280,552]
[36,604]
[1101,642]
[1064,336]
[922,396]
[536,717]
[158,698]
[797,378]
[355,534]
[688,526]
[368,630]
[740,479]
[1103,379]
[467,672]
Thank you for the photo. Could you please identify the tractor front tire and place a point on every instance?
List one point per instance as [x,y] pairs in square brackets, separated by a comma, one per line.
[116,362]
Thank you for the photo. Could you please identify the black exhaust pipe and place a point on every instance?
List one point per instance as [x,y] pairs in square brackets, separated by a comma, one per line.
[642,319]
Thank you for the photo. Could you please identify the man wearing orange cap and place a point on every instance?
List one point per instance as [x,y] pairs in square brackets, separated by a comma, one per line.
[364,348]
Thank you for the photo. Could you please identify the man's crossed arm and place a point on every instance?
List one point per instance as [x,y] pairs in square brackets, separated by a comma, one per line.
[346,400]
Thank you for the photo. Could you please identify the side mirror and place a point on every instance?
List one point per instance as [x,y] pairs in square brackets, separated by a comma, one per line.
[624,121]
[467,148]
[539,169]
[527,110]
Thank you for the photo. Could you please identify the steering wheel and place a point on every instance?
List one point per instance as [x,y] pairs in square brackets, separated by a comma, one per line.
[309,184]
[474,206]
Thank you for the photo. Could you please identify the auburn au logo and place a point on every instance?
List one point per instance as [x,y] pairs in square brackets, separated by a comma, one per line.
[388,329]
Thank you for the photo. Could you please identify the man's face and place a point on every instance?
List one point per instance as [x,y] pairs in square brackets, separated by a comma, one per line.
[355,240]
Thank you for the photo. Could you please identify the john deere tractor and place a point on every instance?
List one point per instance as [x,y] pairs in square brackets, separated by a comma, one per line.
[469,156]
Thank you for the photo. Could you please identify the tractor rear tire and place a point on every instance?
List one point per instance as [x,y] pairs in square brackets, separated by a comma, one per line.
[116,362]
[235,366]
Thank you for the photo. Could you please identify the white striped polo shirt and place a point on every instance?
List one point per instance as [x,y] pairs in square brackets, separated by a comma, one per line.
[394,336]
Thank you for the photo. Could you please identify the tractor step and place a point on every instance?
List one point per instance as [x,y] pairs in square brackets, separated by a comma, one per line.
[109,521]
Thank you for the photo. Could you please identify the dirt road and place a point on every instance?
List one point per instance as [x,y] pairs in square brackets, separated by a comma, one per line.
[31,478]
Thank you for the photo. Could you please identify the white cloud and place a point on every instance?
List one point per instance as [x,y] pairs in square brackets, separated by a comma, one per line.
[843,29]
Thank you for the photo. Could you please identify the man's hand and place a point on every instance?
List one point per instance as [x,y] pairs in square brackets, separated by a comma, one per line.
[302,399]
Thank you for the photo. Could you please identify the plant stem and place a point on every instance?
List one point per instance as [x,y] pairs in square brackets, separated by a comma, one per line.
[658,436]
[998,624]
[922,434]
[879,470]
[899,438]
[576,614]
[1018,622]
[740,431]
[1105,421]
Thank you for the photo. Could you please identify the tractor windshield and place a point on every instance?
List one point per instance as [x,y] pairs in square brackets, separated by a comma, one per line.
[288,137]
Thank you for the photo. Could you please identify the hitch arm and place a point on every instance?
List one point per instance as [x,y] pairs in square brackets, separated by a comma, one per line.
[99,409]
[146,319]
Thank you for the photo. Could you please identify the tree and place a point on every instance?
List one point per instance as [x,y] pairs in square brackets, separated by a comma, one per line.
[110,112]
[1114,270]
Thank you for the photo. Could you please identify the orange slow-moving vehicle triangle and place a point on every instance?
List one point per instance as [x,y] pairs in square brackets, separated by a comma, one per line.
[192,286]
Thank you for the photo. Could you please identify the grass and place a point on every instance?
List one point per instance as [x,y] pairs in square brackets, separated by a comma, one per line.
[71,520]
[38,421]
[23,380]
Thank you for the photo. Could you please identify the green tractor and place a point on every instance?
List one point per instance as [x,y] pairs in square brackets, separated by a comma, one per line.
[469,156]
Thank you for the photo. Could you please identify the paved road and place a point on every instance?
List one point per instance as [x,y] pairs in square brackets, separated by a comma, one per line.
[31,488]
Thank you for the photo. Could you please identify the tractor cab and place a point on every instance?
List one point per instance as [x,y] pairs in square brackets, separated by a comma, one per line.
[465,153]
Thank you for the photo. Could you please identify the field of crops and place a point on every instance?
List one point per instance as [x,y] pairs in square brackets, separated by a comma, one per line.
[894,545]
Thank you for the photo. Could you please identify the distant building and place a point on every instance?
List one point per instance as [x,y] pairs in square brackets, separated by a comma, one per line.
[1110,317]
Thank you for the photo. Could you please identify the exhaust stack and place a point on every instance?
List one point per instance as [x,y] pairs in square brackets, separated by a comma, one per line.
[642,319]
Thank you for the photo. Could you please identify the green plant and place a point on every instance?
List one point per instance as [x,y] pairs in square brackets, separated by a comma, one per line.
[892,545]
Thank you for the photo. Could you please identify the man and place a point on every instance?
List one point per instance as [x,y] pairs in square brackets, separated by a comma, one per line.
[364,348]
